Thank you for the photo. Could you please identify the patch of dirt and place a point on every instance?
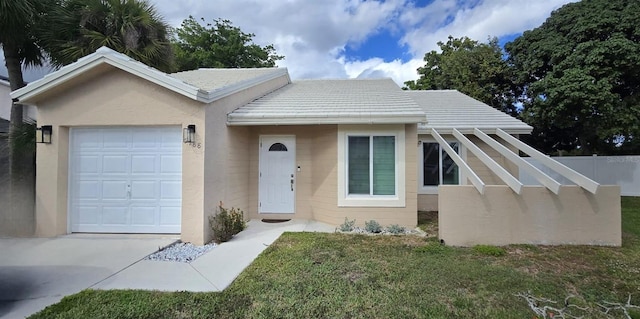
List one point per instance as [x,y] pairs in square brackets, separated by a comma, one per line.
[428,221]
[354,276]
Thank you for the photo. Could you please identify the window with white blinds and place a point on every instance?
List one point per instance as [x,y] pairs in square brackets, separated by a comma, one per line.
[371,165]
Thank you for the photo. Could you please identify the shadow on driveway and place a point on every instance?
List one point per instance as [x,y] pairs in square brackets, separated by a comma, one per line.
[29,283]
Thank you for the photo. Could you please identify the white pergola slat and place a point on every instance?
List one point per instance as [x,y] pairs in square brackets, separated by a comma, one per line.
[542,178]
[500,171]
[556,166]
[468,172]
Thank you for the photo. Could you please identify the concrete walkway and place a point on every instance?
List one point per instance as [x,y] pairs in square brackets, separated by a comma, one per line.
[213,271]
[37,272]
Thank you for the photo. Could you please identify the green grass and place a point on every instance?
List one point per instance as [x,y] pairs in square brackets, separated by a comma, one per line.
[311,275]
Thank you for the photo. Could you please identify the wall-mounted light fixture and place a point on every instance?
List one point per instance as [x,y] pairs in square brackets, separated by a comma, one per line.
[43,134]
[189,134]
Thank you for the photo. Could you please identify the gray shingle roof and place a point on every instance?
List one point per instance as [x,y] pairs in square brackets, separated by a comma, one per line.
[447,109]
[346,101]
[213,79]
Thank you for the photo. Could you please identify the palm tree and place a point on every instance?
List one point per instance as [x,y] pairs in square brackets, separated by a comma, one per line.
[77,28]
[18,22]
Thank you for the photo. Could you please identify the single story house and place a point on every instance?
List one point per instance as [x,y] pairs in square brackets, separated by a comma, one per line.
[130,149]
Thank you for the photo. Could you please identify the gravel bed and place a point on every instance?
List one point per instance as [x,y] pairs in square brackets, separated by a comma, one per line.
[181,252]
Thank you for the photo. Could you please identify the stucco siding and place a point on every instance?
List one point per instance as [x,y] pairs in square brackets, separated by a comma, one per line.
[116,98]
[325,195]
[428,202]
[537,216]
[227,153]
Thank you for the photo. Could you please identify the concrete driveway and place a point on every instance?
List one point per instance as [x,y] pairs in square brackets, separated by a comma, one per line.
[37,272]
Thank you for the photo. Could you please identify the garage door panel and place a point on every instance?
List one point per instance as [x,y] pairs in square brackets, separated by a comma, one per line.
[144,140]
[115,164]
[143,215]
[87,164]
[168,215]
[143,190]
[126,180]
[89,140]
[169,164]
[143,164]
[88,190]
[116,140]
[90,215]
[115,215]
[169,143]
[171,189]
[115,190]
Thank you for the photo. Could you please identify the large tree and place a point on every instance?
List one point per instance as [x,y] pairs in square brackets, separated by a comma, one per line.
[471,67]
[18,39]
[580,74]
[79,27]
[219,45]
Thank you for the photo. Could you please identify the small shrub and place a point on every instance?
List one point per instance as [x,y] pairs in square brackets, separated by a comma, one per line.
[396,229]
[226,223]
[348,225]
[489,250]
[372,226]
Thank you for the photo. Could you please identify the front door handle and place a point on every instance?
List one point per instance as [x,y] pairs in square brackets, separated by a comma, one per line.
[292,184]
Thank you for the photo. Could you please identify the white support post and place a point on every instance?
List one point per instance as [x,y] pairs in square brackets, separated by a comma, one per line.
[570,174]
[500,171]
[471,175]
[543,178]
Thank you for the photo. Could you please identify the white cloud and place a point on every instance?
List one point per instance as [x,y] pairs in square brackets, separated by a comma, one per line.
[313,34]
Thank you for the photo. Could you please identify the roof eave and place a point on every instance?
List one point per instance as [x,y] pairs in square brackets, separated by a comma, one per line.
[74,70]
[469,130]
[225,91]
[255,121]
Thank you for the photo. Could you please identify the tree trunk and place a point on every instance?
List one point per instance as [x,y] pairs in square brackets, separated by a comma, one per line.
[20,218]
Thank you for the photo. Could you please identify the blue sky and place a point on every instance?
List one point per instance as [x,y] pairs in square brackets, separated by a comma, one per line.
[360,38]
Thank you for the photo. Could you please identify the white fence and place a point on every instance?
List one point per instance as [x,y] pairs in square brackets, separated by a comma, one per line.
[606,170]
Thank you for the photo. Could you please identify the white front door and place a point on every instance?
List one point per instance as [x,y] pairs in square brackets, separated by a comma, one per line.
[125,179]
[277,174]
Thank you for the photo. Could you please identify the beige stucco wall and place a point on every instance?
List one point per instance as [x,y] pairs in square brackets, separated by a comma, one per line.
[115,98]
[317,180]
[537,216]
[325,195]
[427,202]
[228,154]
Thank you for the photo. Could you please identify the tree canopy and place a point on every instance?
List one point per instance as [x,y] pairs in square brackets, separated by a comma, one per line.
[580,76]
[219,45]
[76,28]
[473,68]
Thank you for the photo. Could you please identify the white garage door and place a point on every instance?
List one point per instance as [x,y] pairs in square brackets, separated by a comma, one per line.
[125,180]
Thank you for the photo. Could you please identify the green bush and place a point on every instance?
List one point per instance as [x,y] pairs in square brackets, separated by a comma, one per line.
[489,250]
[372,226]
[226,223]
[348,225]
[396,229]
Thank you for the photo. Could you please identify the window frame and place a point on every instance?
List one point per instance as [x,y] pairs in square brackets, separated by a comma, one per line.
[369,200]
[422,189]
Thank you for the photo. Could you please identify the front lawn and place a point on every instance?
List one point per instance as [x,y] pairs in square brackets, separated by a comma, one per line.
[312,275]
